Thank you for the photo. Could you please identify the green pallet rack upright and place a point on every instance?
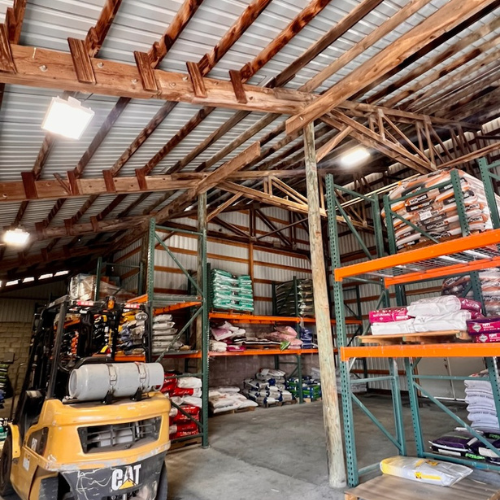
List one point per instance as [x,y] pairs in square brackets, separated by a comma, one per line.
[434,261]
[156,300]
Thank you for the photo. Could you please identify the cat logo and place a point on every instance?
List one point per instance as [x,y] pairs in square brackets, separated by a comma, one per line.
[124,479]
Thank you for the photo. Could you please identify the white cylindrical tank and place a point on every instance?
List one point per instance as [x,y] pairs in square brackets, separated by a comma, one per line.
[94,382]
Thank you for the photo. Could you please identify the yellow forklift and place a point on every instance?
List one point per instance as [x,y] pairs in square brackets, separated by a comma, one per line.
[89,423]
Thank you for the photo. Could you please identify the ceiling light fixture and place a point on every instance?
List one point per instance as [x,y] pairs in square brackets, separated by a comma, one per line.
[67,118]
[354,157]
[17,237]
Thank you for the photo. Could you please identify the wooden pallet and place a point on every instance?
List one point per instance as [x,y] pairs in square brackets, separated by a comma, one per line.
[183,445]
[415,338]
[394,488]
[279,403]
[229,412]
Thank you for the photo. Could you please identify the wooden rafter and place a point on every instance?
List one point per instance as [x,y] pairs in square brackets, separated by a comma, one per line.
[123,80]
[441,21]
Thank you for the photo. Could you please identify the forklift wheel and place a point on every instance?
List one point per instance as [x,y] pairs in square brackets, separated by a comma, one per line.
[162,491]
[5,467]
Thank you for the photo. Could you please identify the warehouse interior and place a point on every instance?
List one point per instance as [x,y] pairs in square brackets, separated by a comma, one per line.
[249,248]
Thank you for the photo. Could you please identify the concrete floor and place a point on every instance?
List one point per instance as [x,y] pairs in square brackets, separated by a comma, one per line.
[279,453]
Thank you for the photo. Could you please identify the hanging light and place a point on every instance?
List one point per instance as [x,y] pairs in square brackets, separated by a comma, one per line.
[17,237]
[355,157]
[67,118]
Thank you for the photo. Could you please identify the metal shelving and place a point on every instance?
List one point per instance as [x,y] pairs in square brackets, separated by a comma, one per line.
[465,255]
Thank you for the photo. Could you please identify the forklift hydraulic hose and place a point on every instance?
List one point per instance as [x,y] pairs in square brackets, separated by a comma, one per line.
[94,382]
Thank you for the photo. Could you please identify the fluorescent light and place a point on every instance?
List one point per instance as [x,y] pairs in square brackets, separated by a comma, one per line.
[355,157]
[61,273]
[45,276]
[10,283]
[16,237]
[28,280]
[67,118]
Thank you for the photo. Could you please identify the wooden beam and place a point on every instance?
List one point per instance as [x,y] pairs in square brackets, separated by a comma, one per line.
[229,167]
[120,79]
[429,65]
[332,143]
[97,34]
[159,49]
[6,58]
[339,29]
[196,78]
[294,27]
[237,82]
[223,206]
[14,18]
[383,145]
[430,28]
[81,61]
[331,410]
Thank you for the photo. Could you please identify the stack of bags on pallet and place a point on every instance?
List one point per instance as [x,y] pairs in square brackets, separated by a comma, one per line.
[425,315]
[230,292]
[132,332]
[490,288]
[267,388]
[306,336]
[225,337]
[3,382]
[484,419]
[185,394]
[286,335]
[223,399]
[311,387]
[285,298]
[435,211]
[481,405]
[164,333]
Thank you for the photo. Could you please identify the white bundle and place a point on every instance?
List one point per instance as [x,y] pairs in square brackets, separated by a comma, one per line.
[449,321]
[189,382]
[434,306]
[394,327]
[216,346]
[231,389]
[272,373]
[162,318]
[213,394]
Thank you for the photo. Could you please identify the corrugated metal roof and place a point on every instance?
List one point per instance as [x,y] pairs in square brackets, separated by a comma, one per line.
[137,25]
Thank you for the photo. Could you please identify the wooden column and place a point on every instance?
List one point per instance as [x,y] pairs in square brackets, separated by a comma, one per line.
[202,225]
[331,414]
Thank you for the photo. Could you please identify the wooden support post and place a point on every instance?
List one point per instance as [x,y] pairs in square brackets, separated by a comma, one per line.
[202,226]
[331,415]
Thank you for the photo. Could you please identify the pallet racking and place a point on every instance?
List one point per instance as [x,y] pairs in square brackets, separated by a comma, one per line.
[465,255]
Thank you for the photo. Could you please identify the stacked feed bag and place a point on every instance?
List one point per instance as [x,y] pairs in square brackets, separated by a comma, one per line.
[267,388]
[132,332]
[3,430]
[311,388]
[230,292]
[286,335]
[481,405]
[225,336]
[435,211]
[3,382]
[436,314]
[460,443]
[222,399]
[164,334]
[490,288]
[184,392]
[285,298]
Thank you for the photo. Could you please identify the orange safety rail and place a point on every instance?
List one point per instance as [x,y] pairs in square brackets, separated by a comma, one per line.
[263,352]
[441,272]
[266,320]
[141,299]
[176,307]
[452,350]
[451,247]
[132,359]
[188,355]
